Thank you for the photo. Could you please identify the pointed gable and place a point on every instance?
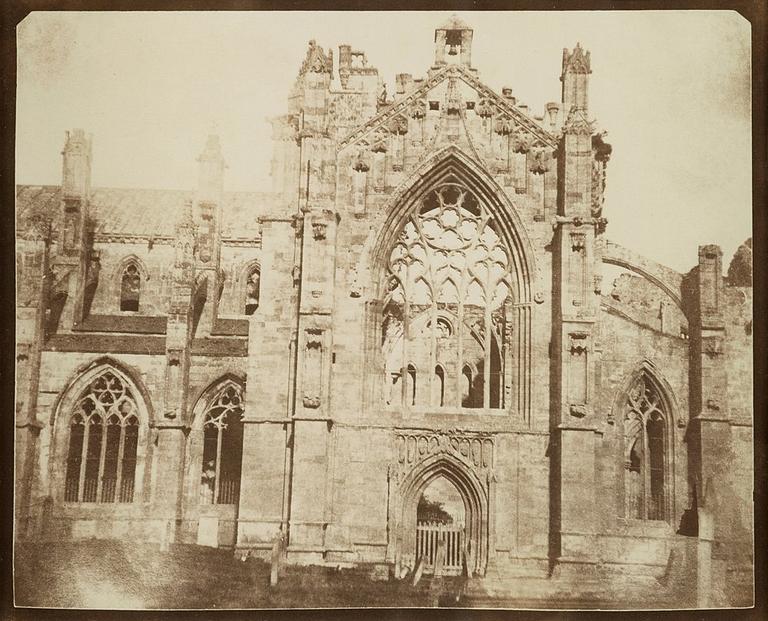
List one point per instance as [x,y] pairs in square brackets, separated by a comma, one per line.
[414,104]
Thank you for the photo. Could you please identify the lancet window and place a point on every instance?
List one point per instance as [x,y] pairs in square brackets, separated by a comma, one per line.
[103,440]
[447,304]
[646,456]
[252,291]
[130,288]
[222,448]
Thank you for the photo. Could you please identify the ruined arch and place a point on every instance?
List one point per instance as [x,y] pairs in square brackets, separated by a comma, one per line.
[666,279]
[476,507]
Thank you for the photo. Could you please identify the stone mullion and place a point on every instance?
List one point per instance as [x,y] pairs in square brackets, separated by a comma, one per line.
[487,342]
[83,459]
[120,452]
[102,458]
[217,479]
[406,322]
[519,365]
[646,474]
[459,349]
[433,353]
[508,361]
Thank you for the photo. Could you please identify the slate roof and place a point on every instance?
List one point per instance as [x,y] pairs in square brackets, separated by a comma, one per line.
[127,211]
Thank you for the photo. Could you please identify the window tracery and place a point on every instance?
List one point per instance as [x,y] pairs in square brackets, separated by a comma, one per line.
[222,448]
[647,460]
[447,302]
[103,442]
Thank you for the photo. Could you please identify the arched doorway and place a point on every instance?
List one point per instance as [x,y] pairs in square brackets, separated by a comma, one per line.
[440,526]
[442,499]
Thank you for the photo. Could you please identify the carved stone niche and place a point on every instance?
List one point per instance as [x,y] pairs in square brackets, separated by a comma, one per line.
[355,288]
[398,126]
[540,159]
[577,343]
[597,283]
[379,142]
[712,346]
[313,367]
[504,126]
[418,109]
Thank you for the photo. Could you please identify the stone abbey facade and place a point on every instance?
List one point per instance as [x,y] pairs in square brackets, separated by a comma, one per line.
[418,299]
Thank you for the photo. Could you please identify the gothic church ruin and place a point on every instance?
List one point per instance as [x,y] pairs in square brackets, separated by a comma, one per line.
[416,306]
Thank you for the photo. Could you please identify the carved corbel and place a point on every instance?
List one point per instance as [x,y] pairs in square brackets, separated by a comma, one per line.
[714,404]
[319,230]
[360,163]
[578,410]
[577,343]
[485,108]
[578,242]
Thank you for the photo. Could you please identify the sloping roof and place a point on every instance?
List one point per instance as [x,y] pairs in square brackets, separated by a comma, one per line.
[128,211]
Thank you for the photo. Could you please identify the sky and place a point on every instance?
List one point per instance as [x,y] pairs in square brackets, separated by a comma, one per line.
[671,88]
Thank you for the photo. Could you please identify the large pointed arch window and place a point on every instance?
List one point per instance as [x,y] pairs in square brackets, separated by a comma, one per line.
[222,447]
[647,459]
[447,303]
[103,441]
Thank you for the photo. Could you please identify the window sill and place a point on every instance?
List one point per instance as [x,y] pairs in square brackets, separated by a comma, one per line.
[446,411]
[651,528]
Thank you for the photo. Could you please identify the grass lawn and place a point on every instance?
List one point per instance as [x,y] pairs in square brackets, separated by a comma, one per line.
[115,574]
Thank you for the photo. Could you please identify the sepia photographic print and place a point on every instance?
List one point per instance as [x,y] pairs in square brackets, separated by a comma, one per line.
[384,310]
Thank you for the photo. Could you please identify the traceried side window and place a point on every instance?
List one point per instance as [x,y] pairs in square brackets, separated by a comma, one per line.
[252,292]
[130,288]
[103,440]
[646,461]
[222,448]
[447,304]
